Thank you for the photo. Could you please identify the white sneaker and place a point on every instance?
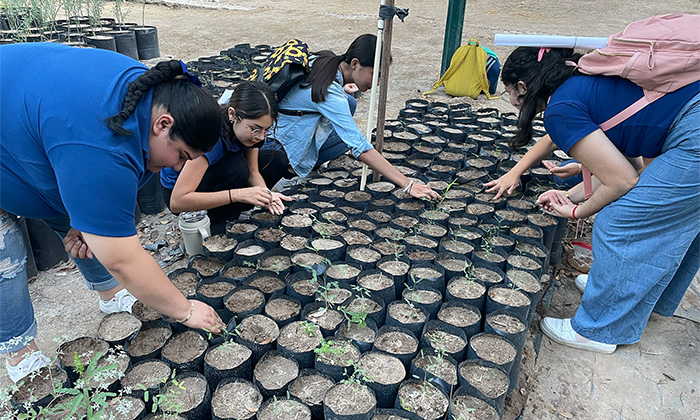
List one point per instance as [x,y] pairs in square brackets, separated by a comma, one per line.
[34,361]
[121,302]
[560,331]
[284,184]
[581,281]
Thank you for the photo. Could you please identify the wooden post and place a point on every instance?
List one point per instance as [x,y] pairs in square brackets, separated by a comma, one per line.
[383,87]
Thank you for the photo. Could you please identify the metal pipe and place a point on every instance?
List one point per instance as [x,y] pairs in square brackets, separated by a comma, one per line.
[550,41]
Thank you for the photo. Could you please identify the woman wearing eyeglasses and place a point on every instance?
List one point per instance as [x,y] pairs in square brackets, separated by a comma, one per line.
[235,174]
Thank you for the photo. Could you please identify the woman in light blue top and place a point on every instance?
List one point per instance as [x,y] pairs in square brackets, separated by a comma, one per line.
[316,124]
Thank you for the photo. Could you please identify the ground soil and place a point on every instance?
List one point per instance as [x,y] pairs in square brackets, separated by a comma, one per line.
[506,323]
[492,382]
[219,243]
[118,326]
[148,374]
[406,314]
[328,319]
[443,340]
[472,408]
[458,316]
[125,407]
[305,287]
[148,341]
[382,368]
[237,400]
[275,372]
[216,289]
[282,309]
[354,332]
[250,250]
[524,281]
[271,234]
[509,297]
[355,237]
[40,385]
[493,348]
[185,347]
[238,272]
[396,342]
[294,337]
[244,300]
[349,398]
[362,224]
[420,255]
[293,243]
[375,282]
[342,271]
[421,296]
[284,409]
[144,313]
[190,392]
[424,399]
[85,347]
[440,367]
[487,276]
[395,268]
[347,357]
[228,355]
[186,283]
[310,389]
[267,284]
[258,329]
[297,221]
[207,267]
[307,259]
[523,262]
[365,305]
[241,228]
[464,288]
[365,255]
[118,359]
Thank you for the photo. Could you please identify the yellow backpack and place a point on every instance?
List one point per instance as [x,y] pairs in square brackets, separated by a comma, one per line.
[467,73]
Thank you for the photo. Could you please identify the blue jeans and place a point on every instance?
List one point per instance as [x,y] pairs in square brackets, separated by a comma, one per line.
[17,323]
[334,146]
[646,244]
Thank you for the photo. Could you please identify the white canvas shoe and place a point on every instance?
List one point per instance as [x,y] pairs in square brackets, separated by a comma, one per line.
[29,364]
[581,281]
[560,331]
[121,302]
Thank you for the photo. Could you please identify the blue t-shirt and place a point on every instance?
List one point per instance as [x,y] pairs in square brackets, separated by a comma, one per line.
[582,103]
[168,176]
[58,158]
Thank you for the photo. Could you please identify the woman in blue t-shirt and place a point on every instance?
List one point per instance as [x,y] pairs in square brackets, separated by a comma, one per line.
[316,123]
[235,174]
[80,131]
[646,236]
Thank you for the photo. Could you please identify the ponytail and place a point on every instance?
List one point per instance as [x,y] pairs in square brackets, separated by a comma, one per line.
[326,64]
[541,76]
[195,112]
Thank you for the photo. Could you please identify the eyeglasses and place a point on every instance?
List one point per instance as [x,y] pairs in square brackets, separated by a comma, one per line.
[254,131]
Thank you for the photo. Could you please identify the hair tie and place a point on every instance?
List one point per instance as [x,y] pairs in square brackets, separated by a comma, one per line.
[189,76]
[542,52]
[570,63]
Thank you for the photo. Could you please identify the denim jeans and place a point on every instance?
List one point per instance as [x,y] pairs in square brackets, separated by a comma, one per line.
[334,146]
[17,323]
[646,244]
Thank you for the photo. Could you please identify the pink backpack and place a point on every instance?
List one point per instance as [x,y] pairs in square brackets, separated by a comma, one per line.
[661,54]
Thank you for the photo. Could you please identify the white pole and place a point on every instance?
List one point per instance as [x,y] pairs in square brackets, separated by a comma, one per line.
[550,41]
[373,96]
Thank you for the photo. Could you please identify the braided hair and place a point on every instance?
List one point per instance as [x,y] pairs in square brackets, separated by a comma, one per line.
[542,78]
[196,114]
[326,64]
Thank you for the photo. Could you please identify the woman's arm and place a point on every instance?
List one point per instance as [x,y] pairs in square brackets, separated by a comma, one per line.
[508,182]
[376,161]
[185,196]
[140,274]
[614,173]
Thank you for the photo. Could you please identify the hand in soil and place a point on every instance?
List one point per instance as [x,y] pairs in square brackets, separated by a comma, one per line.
[277,207]
[423,191]
[505,184]
[75,244]
[204,317]
[257,196]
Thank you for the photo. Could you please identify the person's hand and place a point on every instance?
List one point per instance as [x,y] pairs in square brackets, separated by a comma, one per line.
[350,88]
[257,196]
[556,203]
[423,191]
[277,207]
[75,245]
[204,317]
[505,184]
[570,169]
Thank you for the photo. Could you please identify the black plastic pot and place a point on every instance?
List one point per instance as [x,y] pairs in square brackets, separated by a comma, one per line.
[267,282]
[350,355]
[248,252]
[251,299]
[241,229]
[420,371]
[350,390]
[126,43]
[412,323]
[535,250]
[118,318]
[193,363]
[31,386]
[396,413]
[471,234]
[147,42]
[313,401]
[85,347]
[504,360]
[353,331]
[314,310]
[155,351]
[503,324]
[469,322]
[517,261]
[425,297]
[261,369]
[427,275]
[244,409]
[519,310]
[441,331]
[363,255]
[418,254]
[373,364]
[205,267]
[103,42]
[490,256]
[413,399]
[455,265]
[152,383]
[306,288]
[399,336]
[269,237]
[223,254]
[265,344]
[397,267]
[212,291]
[466,290]
[464,404]
[217,371]
[380,284]
[333,249]
[488,375]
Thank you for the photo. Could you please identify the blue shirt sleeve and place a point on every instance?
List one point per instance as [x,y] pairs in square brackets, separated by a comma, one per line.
[337,111]
[568,122]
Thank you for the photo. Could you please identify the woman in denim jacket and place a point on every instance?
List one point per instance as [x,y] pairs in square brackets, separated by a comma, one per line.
[315,124]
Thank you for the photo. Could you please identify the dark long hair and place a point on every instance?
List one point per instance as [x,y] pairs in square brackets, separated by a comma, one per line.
[195,112]
[326,64]
[251,100]
[542,78]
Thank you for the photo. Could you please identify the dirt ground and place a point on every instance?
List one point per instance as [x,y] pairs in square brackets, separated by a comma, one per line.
[654,379]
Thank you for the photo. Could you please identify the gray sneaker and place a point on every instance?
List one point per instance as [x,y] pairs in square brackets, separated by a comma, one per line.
[121,302]
[32,362]
[581,281]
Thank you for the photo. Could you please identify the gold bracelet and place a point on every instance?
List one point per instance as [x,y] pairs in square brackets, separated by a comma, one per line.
[566,193]
[182,321]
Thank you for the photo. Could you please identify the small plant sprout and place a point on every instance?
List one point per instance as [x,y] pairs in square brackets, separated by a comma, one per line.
[310,328]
